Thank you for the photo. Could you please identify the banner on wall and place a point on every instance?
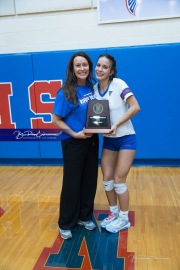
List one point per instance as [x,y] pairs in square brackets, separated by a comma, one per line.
[111,11]
[30,135]
[41,96]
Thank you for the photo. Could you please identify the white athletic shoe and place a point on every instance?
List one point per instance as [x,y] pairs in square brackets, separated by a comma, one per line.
[65,234]
[108,220]
[118,225]
[89,225]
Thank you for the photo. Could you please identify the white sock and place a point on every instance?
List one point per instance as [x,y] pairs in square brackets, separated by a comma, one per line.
[114,209]
[124,214]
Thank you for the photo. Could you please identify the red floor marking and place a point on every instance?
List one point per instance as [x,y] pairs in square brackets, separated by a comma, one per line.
[86,264]
[1,212]
[40,265]
[122,241]
[122,250]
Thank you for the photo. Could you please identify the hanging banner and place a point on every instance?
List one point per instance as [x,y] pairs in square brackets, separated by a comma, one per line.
[110,11]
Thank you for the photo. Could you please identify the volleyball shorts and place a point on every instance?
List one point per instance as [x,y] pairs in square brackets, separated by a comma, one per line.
[127,142]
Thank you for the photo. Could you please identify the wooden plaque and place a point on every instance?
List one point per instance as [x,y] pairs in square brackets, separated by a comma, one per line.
[98,117]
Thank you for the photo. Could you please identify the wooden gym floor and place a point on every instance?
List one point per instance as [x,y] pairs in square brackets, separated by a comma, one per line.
[29,209]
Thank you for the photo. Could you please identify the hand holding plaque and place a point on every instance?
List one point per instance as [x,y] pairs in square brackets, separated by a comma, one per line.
[98,117]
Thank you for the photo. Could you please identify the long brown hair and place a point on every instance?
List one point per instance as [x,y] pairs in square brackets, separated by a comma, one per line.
[70,83]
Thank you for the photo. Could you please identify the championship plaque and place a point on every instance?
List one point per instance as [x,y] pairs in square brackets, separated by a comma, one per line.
[98,117]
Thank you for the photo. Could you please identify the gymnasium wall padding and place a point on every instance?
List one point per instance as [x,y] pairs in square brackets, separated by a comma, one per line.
[29,82]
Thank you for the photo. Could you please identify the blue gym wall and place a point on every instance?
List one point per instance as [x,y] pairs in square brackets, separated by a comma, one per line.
[152,72]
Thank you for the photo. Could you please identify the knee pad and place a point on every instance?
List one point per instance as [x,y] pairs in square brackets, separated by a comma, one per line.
[108,185]
[120,188]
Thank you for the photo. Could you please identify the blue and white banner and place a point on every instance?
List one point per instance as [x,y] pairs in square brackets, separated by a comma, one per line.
[110,11]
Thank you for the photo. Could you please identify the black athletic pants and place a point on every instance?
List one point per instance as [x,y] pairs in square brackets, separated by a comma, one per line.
[80,173]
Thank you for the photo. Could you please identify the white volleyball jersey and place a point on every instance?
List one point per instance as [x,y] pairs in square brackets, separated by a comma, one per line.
[117,94]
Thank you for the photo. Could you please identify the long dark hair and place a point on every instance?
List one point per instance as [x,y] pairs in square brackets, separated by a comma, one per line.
[113,65]
[70,84]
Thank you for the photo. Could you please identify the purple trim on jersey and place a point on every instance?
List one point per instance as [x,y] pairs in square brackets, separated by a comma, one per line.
[124,92]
